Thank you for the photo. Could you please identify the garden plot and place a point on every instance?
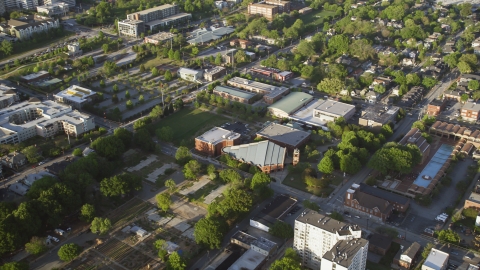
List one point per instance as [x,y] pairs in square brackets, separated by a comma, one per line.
[189,233]
[179,224]
[217,192]
[143,163]
[152,177]
[196,186]
[187,210]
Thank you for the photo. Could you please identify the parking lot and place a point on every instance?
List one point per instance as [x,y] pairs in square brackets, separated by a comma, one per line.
[238,127]
[452,110]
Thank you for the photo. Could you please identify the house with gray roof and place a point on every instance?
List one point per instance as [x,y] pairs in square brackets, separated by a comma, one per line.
[289,104]
[266,155]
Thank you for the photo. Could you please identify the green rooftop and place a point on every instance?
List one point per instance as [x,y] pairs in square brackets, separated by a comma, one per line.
[234,92]
[292,102]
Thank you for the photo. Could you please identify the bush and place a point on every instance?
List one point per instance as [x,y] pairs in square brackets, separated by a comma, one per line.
[470,213]
[337,216]
[77,152]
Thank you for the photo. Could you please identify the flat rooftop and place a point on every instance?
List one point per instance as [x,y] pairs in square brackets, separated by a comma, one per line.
[379,113]
[256,85]
[76,93]
[279,206]
[130,22]
[188,71]
[259,153]
[234,92]
[471,106]
[168,19]
[474,197]
[344,251]
[34,75]
[325,223]
[150,10]
[305,114]
[436,259]
[334,107]
[263,5]
[214,70]
[160,36]
[249,260]
[283,134]
[218,134]
[264,244]
[291,103]
[436,102]
[244,237]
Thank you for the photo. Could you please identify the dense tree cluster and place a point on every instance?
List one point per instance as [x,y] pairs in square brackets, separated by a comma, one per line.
[395,158]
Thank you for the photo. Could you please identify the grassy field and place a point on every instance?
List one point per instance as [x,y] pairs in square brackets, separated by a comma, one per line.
[155,62]
[316,18]
[128,211]
[188,123]
[295,180]
[200,194]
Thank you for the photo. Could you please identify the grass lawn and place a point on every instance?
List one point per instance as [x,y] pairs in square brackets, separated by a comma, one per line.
[336,180]
[299,184]
[188,123]
[200,194]
[155,62]
[316,18]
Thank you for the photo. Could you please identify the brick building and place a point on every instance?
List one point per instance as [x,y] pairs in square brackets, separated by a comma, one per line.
[436,107]
[267,11]
[400,203]
[473,201]
[470,111]
[212,141]
[266,155]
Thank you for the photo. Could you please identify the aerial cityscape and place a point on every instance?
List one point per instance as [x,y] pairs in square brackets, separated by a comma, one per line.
[239,135]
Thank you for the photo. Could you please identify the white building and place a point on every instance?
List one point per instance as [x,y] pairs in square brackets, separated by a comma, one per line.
[329,110]
[26,30]
[325,243]
[75,96]
[7,96]
[436,260]
[190,74]
[58,9]
[131,28]
[32,118]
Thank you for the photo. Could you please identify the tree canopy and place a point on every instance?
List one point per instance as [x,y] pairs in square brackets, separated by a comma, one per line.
[120,184]
[68,252]
[210,231]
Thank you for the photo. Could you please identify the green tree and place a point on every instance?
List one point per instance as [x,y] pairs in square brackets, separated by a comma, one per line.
[326,165]
[331,85]
[124,135]
[379,88]
[154,71]
[100,225]
[195,51]
[165,134]
[426,250]
[15,266]
[305,48]
[473,85]
[218,59]
[127,94]
[36,246]
[68,252]
[177,56]
[428,82]
[210,231]
[170,184]
[281,229]
[6,47]
[87,212]
[350,164]
[183,155]
[448,236]
[109,147]
[259,181]
[464,67]
[464,97]
[105,48]
[338,44]
[168,76]
[413,79]
[192,169]
[163,201]
[230,176]
[236,201]
[120,184]
[142,68]
[115,88]
[32,154]
[143,140]
[175,262]
[77,152]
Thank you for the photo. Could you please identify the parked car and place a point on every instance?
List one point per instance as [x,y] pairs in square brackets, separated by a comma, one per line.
[328,213]
[357,216]
[59,231]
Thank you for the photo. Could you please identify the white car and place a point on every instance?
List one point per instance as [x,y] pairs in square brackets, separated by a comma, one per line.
[53,238]
[357,216]
[41,163]
[328,213]
[59,231]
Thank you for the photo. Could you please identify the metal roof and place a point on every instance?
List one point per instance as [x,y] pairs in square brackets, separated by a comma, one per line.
[259,153]
[234,92]
[292,102]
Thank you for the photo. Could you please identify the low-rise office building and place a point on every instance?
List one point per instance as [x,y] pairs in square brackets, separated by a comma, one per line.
[159,38]
[289,104]
[171,21]
[75,96]
[213,141]
[470,111]
[264,10]
[7,96]
[28,119]
[378,115]
[266,155]
[283,6]
[57,9]
[288,137]
[131,28]
[329,110]
[24,29]
[234,94]
[214,73]
[270,93]
[190,75]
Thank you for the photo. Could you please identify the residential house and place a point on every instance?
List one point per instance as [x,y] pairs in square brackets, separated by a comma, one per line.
[414,136]
[371,96]
[453,95]
[407,258]
[436,260]
[14,160]
[408,62]
[412,97]
[436,106]
[378,115]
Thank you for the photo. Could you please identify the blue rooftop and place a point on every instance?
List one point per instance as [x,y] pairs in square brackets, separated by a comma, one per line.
[434,165]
